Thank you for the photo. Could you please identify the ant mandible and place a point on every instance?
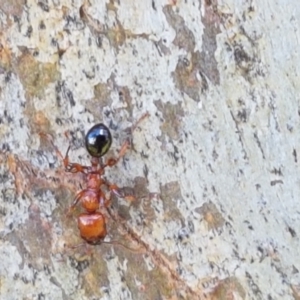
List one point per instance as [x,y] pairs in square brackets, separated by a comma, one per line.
[91,224]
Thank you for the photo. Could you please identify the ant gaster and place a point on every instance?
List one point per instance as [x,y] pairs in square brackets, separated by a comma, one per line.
[91,223]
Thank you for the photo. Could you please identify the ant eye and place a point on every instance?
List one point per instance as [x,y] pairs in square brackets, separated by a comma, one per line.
[98,140]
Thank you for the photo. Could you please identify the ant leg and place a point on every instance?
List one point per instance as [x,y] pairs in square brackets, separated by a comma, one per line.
[49,139]
[73,167]
[113,161]
[135,125]
[116,191]
[106,200]
[75,202]
[69,167]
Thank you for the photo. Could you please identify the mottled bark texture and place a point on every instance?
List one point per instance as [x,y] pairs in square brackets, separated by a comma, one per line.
[214,168]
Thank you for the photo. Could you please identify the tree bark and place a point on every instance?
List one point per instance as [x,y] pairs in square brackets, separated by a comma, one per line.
[212,172]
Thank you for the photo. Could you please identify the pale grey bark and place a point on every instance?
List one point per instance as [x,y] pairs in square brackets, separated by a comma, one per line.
[214,168]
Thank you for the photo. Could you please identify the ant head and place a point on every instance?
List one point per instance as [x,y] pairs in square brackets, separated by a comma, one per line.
[98,140]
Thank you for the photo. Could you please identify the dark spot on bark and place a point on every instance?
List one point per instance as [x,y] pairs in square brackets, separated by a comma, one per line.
[43,5]
[42,25]
[292,231]
[153,5]
[274,182]
[295,155]
[29,31]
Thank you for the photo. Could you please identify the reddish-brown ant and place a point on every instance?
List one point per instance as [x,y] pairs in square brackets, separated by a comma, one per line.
[91,223]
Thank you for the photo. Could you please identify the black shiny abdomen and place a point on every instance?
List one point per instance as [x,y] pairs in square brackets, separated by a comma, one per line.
[98,140]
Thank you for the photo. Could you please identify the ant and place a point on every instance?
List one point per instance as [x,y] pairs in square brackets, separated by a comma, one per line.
[91,224]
